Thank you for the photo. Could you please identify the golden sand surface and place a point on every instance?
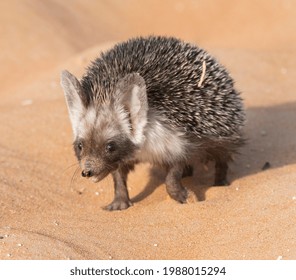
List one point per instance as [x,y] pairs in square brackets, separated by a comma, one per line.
[44,214]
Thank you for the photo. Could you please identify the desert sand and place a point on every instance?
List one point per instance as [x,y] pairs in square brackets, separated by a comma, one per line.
[47,211]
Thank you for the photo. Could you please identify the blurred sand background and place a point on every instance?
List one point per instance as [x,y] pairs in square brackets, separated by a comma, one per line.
[45,215]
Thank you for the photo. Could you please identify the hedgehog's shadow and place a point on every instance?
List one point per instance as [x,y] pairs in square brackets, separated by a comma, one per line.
[156,178]
[196,183]
[271,134]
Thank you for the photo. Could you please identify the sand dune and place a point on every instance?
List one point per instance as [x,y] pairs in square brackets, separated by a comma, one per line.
[46,212]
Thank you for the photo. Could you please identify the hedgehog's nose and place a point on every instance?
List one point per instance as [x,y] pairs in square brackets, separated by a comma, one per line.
[86,173]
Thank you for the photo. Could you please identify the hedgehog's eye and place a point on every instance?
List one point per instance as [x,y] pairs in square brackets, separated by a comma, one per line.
[110,146]
[79,146]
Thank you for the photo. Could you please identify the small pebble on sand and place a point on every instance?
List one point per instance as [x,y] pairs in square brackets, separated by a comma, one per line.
[266,166]
[284,71]
[263,133]
[27,102]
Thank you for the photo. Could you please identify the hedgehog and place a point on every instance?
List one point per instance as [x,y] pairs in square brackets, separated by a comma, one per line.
[153,99]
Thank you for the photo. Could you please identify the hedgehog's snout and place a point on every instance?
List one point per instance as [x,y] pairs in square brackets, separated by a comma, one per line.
[87,173]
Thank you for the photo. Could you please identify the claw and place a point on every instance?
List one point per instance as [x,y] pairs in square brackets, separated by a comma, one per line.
[118,205]
[180,196]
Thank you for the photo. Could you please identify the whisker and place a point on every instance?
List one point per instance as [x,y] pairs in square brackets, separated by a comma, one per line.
[76,163]
[74,176]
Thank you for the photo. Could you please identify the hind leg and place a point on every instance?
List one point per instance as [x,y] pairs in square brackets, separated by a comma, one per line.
[173,184]
[221,167]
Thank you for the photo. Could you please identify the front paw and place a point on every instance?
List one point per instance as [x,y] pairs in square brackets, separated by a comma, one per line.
[118,204]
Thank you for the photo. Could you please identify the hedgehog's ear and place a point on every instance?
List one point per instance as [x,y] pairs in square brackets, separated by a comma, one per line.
[131,93]
[76,100]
